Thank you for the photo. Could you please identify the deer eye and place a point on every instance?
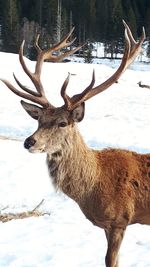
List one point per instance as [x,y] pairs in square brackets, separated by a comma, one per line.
[62,124]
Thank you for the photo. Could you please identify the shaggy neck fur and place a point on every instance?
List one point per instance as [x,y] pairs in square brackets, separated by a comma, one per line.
[71,168]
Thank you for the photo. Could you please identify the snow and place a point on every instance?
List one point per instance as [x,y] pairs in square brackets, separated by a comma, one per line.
[118,117]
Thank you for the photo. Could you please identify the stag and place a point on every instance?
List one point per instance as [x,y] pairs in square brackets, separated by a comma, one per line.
[111,186]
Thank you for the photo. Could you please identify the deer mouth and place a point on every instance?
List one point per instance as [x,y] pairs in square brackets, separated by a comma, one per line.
[35,149]
[32,145]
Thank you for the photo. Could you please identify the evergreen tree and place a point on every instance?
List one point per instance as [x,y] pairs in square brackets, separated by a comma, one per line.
[10,26]
[129,15]
[94,20]
[102,17]
[114,30]
[88,53]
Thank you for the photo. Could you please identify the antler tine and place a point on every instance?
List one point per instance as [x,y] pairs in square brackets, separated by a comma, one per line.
[41,101]
[36,44]
[71,102]
[45,55]
[66,54]
[64,43]
[83,96]
[35,77]
[38,96]
[65,97]
[133,42]
[135,46]
[23,87]
[132,49]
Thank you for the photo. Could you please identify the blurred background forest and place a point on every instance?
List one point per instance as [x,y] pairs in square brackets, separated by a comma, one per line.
[94,21]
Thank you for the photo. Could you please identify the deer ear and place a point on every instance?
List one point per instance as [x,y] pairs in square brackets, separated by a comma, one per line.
[33,110]
[78,113]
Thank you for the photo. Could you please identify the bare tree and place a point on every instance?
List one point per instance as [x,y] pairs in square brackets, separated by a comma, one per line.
[58,25]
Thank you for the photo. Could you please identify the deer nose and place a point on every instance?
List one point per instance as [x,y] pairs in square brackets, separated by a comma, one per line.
[29,142]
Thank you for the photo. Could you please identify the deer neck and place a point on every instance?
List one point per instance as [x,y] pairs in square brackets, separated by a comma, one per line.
[73,167]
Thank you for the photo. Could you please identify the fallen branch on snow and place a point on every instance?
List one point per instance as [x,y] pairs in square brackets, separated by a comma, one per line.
[5,217]
[3,137]
[143,85]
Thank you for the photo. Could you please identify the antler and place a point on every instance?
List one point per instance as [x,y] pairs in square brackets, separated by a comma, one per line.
[132,49]
[39,96]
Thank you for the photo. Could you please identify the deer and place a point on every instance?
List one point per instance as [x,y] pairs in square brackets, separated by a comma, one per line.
[111,186]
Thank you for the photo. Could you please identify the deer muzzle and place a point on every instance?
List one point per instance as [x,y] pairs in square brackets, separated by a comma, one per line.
[29,142]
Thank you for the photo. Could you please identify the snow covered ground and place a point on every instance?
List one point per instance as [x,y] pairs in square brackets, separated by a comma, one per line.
[118,117]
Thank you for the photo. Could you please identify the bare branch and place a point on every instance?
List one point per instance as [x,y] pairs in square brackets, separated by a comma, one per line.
[143,85]
[5,217]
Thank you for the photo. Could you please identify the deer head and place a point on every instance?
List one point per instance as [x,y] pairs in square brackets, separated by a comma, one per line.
[55,123]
